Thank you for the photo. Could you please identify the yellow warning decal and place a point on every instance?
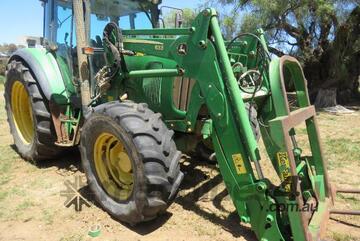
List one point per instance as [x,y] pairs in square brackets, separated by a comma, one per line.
[239,164]
[284,168]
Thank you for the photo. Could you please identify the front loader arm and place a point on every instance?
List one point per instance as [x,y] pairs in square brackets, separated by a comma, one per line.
[200,53]
[232,136]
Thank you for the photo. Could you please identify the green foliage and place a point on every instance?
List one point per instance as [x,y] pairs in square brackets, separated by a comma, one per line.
[297,27]
[3,62]
[229,18]
[320,33]
[7,49]
[10,48]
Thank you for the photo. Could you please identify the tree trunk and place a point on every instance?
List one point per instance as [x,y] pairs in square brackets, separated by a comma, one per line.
[325,98]
[334,78]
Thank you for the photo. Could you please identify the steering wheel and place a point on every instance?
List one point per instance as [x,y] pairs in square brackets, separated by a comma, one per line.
[251,81]
[112,41]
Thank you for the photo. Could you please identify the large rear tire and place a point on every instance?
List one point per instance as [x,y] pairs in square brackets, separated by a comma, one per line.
[28,115]
[130,160]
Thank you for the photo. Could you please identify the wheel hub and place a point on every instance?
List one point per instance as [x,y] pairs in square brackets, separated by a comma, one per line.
[22,112]
[113,166]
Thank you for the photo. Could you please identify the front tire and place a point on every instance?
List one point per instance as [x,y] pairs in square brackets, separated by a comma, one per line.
[130,160]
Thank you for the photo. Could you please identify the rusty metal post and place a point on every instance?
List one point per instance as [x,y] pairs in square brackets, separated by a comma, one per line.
[346,212]
[350,190]
[82,42]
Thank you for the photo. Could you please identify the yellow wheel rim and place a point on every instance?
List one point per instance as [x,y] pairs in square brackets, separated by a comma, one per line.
[113,166]
[22,112]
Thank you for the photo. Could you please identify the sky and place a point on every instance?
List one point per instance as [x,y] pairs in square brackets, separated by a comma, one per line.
[28,20]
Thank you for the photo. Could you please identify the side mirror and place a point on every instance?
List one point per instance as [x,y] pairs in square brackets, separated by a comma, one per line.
[179,13]
[179,19]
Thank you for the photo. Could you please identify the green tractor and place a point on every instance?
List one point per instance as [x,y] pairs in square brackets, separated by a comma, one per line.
[134,96]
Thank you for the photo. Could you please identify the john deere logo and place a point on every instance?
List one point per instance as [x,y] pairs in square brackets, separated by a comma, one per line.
[72,194]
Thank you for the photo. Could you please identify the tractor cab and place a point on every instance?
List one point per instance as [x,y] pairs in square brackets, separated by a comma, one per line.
[60,28]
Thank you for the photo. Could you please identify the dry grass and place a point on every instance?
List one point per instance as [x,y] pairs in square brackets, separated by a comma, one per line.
[31,207]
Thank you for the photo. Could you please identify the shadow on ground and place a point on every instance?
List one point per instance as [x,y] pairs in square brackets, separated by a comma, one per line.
[345,222]
[71,162]
[192,177]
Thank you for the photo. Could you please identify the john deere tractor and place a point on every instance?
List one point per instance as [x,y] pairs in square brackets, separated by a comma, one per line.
[134,95]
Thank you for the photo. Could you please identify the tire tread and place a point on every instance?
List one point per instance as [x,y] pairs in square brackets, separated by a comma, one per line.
[45,136]
[155,145]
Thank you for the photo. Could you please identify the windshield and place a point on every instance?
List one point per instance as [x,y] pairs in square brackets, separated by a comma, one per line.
[138,20]
[135,20]
[127,14]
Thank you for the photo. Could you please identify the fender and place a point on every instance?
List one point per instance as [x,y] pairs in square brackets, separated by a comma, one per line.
[46,72]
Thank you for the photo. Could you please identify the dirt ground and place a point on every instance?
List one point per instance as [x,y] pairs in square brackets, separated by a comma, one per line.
[32,207]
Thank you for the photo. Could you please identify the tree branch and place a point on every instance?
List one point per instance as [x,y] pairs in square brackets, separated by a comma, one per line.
[283,41]
[276,51]
[289,29]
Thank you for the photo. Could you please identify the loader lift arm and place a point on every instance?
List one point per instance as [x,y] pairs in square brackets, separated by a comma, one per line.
[253,195]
